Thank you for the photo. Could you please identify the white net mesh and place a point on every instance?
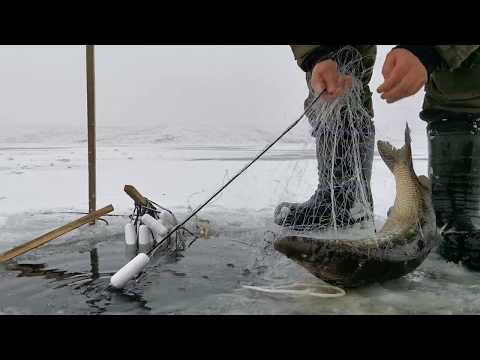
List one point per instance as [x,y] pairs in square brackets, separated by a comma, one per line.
[343,135]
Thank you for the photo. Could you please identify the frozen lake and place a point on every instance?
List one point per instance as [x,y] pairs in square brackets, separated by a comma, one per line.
[70,275]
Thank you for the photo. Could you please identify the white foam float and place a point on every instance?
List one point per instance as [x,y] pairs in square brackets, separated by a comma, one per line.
[145,239]
[130,234]
[168,220]
[154,225]
[129,271]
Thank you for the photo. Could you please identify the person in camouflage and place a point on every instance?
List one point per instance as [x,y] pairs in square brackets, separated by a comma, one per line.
[450,75]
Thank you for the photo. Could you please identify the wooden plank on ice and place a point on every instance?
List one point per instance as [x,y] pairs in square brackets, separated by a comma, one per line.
[52,235]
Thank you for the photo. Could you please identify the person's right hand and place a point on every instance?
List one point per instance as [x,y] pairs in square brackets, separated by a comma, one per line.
[326,76]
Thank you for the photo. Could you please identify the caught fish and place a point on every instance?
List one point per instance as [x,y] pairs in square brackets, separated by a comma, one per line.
[403,243]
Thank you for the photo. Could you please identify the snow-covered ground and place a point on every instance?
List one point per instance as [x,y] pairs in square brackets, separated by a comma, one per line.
[47,168]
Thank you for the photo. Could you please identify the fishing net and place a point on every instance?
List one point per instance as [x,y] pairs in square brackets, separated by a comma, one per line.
[343,134]
[177,242]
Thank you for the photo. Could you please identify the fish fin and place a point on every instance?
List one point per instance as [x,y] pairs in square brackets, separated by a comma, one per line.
[442,229]
[296,247]
[405,153]
[391,155]
[388,153]
[425,182]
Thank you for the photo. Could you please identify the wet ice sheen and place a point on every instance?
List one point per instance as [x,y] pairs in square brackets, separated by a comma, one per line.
[209,279]
[71,274]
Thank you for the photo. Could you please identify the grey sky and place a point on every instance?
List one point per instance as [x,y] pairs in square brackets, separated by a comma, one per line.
[189,86]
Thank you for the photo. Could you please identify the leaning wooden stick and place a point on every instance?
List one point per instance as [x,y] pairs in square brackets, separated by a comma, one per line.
[52,235]
[135,195]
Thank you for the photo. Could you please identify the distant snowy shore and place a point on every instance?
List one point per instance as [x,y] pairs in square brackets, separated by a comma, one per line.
[174,136]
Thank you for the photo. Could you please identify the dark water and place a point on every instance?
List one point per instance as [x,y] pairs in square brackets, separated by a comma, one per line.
[72,277]
[74,280]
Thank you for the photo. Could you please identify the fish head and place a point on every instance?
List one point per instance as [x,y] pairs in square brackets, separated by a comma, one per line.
[297,248]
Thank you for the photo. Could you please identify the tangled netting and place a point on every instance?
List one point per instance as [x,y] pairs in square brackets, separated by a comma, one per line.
[344,137]
[174,243]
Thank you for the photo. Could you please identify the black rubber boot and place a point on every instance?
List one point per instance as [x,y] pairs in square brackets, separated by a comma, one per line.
[454,167]
[316,212]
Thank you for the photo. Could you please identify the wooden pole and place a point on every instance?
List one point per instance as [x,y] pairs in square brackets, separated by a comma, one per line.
[135,195]
[91,130]
[52,235]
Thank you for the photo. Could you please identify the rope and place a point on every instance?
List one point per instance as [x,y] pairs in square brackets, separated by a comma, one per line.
[308,290]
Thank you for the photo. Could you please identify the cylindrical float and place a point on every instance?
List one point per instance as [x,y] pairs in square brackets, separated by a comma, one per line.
[167,219]
[129,271]
[154,225]
[130,234]
[145,239]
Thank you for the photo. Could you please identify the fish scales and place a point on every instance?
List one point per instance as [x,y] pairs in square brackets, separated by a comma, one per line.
[402,244]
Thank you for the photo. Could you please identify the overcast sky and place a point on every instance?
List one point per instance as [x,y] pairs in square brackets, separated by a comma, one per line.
[188,86]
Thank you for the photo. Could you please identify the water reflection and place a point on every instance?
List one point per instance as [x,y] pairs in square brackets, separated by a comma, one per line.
[94,263]
[93,286]
[130,252]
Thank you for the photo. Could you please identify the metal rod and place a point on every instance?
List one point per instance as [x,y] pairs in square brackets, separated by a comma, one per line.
[237,175]
[90,52]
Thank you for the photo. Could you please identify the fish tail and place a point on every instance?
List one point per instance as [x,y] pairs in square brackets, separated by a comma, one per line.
[392,155]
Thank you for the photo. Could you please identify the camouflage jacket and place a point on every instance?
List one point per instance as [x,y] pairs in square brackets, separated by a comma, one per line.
[454,85]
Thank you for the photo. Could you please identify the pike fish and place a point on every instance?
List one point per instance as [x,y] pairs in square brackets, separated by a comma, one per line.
[403,243]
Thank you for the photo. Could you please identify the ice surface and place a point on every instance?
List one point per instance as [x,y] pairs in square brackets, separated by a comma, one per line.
[199,132]
[70,275]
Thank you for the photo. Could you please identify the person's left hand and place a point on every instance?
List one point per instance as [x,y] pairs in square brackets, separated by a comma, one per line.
[404,75]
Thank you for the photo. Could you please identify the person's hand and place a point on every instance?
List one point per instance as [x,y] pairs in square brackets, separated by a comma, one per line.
[404,75]
[326,76]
